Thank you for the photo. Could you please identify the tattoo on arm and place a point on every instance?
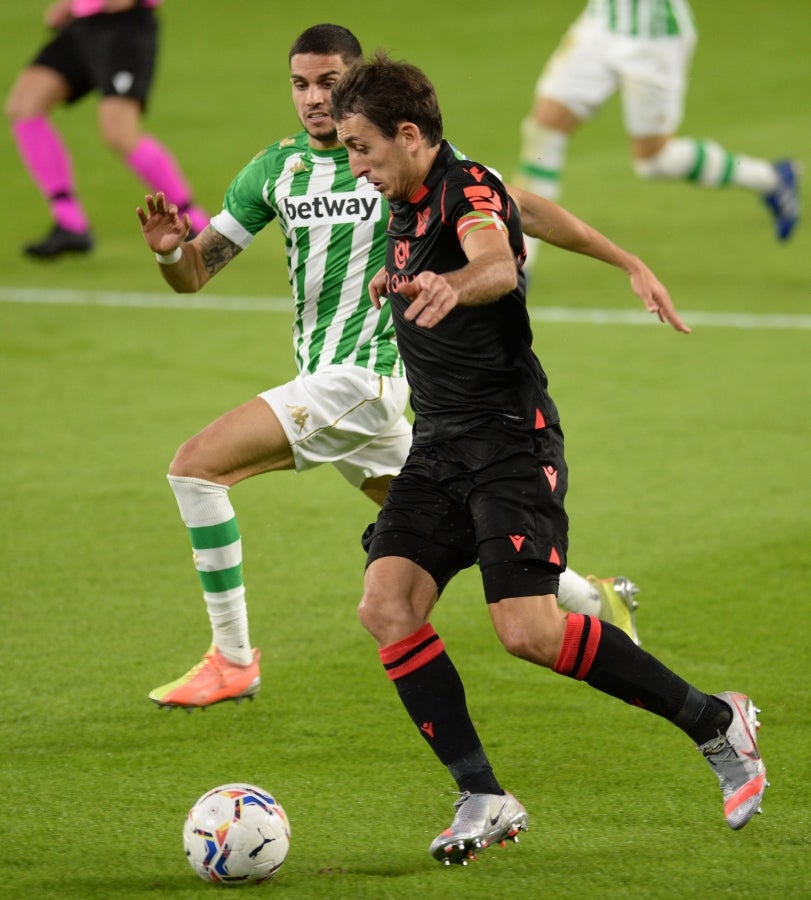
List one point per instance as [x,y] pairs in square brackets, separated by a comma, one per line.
[216,250]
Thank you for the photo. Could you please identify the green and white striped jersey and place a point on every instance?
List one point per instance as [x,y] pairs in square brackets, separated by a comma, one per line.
[644,18]
[335,239]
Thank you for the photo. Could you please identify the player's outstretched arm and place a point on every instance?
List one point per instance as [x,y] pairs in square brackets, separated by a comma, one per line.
[555,225]
[187,264]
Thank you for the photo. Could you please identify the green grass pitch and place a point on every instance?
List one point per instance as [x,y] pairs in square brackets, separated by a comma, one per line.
[690,474]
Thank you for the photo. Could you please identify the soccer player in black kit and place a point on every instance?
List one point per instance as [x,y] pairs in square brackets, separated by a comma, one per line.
[486,476]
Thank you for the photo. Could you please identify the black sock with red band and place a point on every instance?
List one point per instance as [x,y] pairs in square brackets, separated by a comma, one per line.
[605,657]
[434,696]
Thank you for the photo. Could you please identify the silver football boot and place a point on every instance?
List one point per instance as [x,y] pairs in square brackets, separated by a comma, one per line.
[480,820]
[735,759]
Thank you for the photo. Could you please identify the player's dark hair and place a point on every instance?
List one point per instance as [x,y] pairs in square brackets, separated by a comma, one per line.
[388,93]
[328,40]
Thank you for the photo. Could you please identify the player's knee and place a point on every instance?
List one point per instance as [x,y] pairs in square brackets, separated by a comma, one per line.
[373,616]
[537,639]
[516,643]
[119,144]
[18,107]
[366,613]
[11,110]
[650,168]
[178,467]
[27,100]
[185,463]
[391,612]
[538,648]
[675,160]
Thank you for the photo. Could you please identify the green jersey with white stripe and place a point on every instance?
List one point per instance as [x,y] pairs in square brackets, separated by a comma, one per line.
[644,18]
[334,227]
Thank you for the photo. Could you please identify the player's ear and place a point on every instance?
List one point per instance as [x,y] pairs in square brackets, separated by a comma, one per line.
[410,134]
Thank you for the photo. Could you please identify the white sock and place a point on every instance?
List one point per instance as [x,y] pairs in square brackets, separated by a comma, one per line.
[756,174]
[217,552]
[708,164]
[543,155]
[228,614]
[577,595]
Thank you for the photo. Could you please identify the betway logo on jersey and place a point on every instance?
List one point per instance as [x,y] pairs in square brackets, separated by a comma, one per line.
[332,209]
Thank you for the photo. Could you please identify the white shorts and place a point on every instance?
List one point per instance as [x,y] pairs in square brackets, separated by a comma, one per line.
[346,416]
[592,63]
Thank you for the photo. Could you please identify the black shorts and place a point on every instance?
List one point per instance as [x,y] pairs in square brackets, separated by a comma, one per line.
[113,54]
[495,496]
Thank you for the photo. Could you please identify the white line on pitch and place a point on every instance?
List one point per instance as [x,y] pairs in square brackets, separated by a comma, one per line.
[142,300]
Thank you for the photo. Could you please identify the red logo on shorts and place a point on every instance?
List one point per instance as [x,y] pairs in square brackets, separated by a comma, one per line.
[551,476]
[517,541]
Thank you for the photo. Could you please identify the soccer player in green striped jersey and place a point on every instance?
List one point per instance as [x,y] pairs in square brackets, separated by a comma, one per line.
[643,49]
[347,404]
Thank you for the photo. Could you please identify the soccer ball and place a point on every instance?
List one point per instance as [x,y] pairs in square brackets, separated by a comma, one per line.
[236,833]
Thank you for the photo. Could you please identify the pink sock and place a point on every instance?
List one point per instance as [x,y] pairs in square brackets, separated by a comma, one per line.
[158,169]
[48,162]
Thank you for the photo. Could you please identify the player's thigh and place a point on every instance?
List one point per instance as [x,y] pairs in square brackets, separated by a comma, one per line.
[56,74]
[517,505]
[530,627]
[654,75]
[580,74]
[422,522]
[372,466]
[398,596]
[35,92]
[243,442]
[331,416]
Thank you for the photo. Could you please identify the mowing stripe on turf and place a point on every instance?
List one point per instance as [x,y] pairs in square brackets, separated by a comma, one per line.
[563,314]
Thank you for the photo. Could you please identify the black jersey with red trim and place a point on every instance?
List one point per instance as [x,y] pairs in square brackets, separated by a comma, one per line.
[476,365]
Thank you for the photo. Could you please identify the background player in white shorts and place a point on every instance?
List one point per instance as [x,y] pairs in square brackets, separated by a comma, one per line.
[643,49]
[347,404]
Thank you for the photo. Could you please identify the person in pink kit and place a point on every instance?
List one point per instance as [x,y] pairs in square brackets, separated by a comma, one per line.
[108,46]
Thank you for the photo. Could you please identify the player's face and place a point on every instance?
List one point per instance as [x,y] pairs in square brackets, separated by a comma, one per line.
[313,77]
[385,163]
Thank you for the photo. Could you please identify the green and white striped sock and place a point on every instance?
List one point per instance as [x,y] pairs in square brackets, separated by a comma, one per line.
[217,552]
[706,163]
